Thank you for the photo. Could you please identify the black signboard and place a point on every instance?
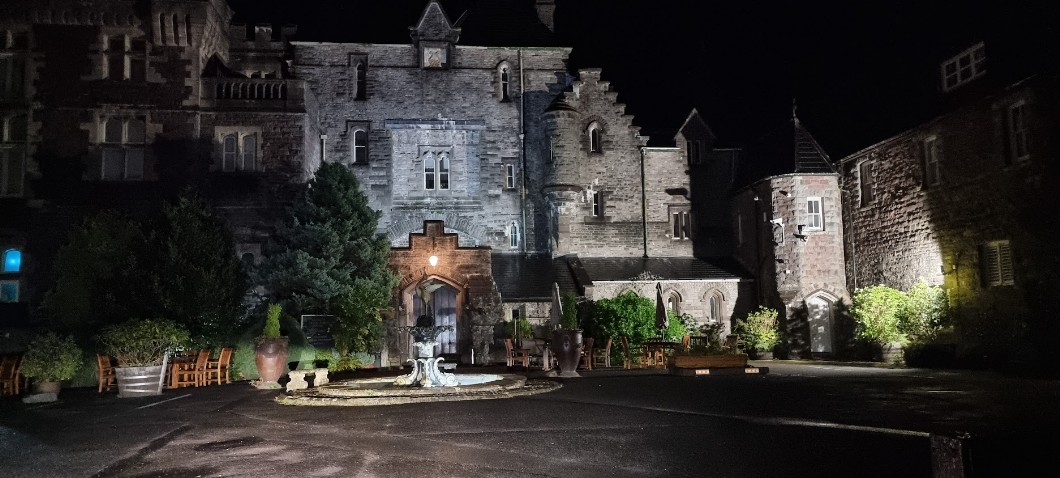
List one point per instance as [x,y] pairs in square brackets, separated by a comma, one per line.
[317,330]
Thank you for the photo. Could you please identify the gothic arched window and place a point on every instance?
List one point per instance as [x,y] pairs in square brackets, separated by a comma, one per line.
[594,138]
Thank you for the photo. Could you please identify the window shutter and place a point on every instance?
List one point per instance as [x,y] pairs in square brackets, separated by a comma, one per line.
[988,261]
[1006,274]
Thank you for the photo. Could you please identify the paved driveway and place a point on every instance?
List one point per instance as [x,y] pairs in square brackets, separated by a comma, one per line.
[798,420]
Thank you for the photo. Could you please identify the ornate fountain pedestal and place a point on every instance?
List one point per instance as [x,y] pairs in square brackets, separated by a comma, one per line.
[425,371]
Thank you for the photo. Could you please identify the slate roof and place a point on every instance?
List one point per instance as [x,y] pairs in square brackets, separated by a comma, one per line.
[610,269]
[786,150]
[483,22]
[529,277]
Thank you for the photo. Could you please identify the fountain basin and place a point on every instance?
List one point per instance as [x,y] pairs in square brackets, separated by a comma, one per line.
[382,391]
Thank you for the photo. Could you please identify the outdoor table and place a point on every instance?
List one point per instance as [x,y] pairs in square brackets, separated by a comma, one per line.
[664,348]
[175,363]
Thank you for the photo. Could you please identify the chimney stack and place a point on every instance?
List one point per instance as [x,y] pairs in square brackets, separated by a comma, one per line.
[546,12]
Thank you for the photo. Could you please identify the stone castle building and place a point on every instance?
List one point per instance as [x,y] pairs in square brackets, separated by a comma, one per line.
[961,201]
[512,172]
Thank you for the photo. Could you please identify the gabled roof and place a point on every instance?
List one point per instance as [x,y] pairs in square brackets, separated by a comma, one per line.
[529,277]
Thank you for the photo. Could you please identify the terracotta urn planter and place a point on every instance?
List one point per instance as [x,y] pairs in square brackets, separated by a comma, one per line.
[270,356]
[567,345]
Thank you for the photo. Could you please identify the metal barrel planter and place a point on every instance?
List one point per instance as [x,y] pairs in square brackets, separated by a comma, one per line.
[139,381]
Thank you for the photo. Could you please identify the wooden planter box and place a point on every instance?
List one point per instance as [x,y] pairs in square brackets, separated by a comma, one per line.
[710,361]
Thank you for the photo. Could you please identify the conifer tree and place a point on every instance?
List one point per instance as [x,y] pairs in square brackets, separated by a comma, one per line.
[328,259]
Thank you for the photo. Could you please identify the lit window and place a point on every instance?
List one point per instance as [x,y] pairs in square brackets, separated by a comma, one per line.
[360,147]
[682,225]
[594,138]
[123,149]
[12,260]
[509,176]
[996,261]
[814,216]
[513,235]
[865,180]
[932,151]
[1017,132]
[361,77]
[964,67]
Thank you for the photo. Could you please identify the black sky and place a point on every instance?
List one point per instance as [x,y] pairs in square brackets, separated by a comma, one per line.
[860,71]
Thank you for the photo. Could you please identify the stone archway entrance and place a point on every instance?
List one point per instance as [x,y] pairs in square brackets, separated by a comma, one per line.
[444,302]
[465,274]
[819,314]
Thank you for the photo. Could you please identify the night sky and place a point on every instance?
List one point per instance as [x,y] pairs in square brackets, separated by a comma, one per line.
[860,71]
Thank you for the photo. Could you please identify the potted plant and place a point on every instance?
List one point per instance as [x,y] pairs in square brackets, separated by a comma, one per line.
[142,347]
[567,340]
[877,311]
[50,360]
[270,351]
[706,350]
[758,333]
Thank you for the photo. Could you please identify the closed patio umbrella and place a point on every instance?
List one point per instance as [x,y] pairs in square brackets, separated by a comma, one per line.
[557,307]
[660,307]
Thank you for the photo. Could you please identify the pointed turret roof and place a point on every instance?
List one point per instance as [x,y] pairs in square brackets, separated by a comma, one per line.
[786,150]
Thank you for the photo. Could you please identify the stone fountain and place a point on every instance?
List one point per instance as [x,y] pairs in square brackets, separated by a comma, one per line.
[425,371]
[426,383]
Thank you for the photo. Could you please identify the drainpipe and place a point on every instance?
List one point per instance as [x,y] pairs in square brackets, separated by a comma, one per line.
[643,205]
[522,150]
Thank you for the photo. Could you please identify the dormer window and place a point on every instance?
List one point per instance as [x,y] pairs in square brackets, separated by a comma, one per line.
[594,138]
[964,67]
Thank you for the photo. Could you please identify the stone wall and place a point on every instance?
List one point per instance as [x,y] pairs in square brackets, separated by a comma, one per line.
[456,107]
[914,229]
[612,174]
[694,296]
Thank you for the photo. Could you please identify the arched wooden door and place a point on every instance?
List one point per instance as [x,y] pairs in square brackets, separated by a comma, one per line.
[443,301]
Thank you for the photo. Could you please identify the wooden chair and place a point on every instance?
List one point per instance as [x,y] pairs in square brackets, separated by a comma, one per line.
[105,370]
[193,373]
[10,378]
[602,356]
[632,355]
[516,355]
[219,368]
[587,353]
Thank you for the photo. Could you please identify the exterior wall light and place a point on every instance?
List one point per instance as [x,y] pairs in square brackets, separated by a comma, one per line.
[433,260]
